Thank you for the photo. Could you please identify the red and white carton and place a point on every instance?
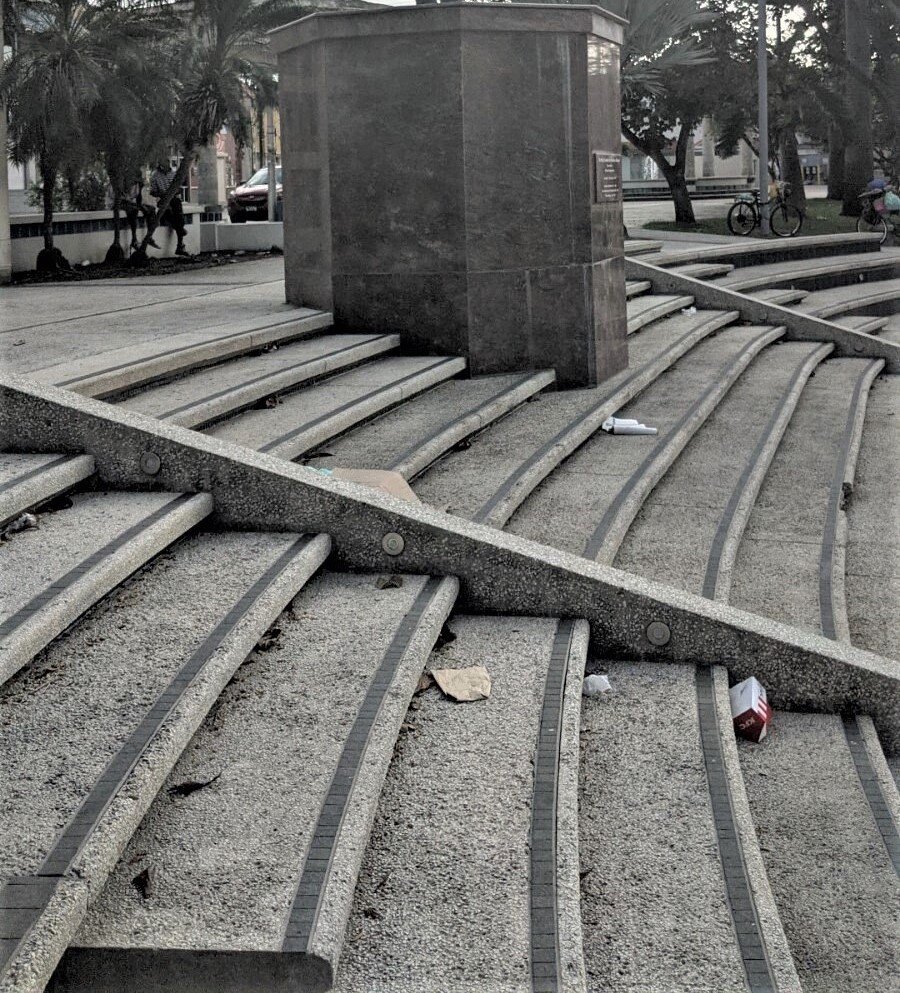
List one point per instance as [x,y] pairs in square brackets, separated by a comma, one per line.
[750,709]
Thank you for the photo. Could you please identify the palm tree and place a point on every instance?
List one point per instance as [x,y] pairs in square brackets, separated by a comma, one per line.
[226,45]
[63,51]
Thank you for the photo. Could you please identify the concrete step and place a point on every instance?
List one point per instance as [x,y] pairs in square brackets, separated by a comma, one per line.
[826,858]
[864,323]
[673,893]
[754,251]
[872,562]
[688,528]
[94,726]
[54,573]
[211,394]
[312,416]
[645,310]
[873,299]
[641,246]
[790,561]
[704,270]
[476,834]
[29,480]
[111,372]
[411,437]
[587,504]
[782,297]
[492,477]
[635,287]
[815,274]
[254,876]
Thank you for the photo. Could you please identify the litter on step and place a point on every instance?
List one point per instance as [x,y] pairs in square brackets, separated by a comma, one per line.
[750,709]
[625,425]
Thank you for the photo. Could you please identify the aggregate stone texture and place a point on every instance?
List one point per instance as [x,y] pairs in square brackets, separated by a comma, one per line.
[671,538]
[90,318]
[442,901]
[776,571]
[805,270]
[566,509]
[847,299]
[872,575]
[382,441]
[464,481]
[259,428]
[30,561]
[226,859]
[246,379]
[837,892]
[653,905]
[63,717]
[13,465]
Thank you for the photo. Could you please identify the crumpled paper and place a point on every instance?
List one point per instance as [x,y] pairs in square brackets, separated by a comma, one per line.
[464,685]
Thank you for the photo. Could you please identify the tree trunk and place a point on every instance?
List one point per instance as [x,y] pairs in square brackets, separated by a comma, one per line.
[858,156]
[673,174]
[791,167]
[48,180]
[836,145]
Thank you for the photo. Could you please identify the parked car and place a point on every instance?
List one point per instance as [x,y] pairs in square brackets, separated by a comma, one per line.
[250,201]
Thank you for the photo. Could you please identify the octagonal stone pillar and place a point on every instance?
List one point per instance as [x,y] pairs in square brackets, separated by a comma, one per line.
[452,173]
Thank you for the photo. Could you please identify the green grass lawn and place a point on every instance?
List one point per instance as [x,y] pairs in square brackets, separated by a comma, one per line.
[820,217]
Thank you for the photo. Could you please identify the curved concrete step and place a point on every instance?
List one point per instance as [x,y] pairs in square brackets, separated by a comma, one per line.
[673,894]
[873,299]
[651,307]
[492,478]
[754,251]
[782,297]
[210,395]
[825,853]
[486,847]
[872,561]
[91,731]
[689,527]
[408,439]
[641,246]
[586,506]
[864,323]
[54,573]
[254,876]
[704,270]
[29,480]
[312,416]
[789,564]
[814,274]
[131,366]
[635,287]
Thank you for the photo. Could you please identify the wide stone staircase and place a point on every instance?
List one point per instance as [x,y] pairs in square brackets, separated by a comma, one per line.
[222,768]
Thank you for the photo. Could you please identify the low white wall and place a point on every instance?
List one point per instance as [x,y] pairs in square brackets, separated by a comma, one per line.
[87,234]
[253,236]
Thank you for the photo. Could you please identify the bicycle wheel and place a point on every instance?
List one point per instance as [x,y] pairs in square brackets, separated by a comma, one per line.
[742,218]
[786,220]
[877,226]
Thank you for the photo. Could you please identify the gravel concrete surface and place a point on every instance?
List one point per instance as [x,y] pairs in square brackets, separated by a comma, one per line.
[565,510]
[243,379]
[846,299]
[463,481]
[872,577]
[63,717]
[776,570]
[442,903]
[256,428]
[671,537]
[837,892]
[378,443]
[226,858]
[653,905]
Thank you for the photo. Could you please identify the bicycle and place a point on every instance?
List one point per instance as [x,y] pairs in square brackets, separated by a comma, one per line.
[785,219]
[877,218]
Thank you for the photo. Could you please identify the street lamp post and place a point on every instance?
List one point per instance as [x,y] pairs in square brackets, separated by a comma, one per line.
[763,89]
[270,160]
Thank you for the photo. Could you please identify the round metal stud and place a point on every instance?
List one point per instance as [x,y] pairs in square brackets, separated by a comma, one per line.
[393,543]
[150,463]
[658,633]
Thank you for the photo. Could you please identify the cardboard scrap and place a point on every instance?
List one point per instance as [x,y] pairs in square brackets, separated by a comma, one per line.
[391,483]
[750,709]
[464,685]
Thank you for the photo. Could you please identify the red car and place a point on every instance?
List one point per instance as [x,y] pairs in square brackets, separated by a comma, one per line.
[250,201]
